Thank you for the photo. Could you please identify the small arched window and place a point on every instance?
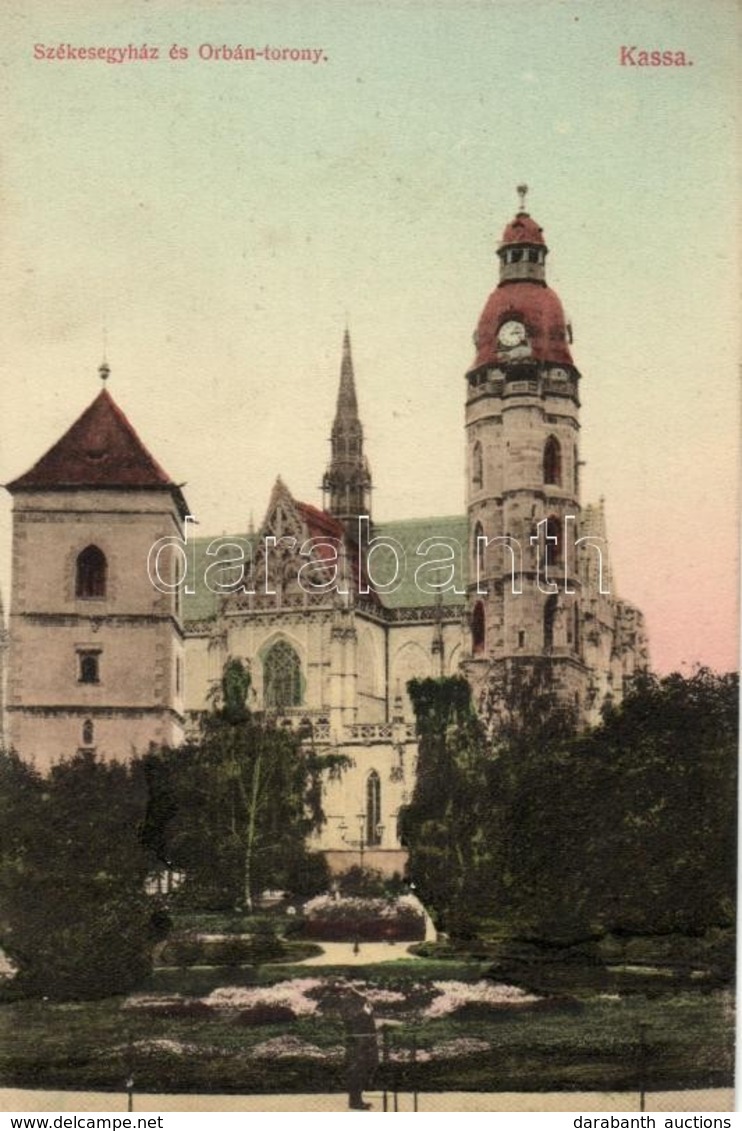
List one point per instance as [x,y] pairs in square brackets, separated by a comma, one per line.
[91,573]
[477,466]
[373,809]
[577,471]
[553,461]
[88,732]
[478,629]
[281,677]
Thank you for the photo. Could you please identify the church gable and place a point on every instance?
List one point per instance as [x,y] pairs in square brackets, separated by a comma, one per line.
[300,555]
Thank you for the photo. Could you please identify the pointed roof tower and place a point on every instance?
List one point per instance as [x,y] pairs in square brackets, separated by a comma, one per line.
[347,404]
[100,451]
[347,482]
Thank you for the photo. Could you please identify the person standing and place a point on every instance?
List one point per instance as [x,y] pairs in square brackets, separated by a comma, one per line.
[361,1044]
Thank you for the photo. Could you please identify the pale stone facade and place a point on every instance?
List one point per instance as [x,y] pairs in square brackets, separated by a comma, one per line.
[96,656]
[307,602]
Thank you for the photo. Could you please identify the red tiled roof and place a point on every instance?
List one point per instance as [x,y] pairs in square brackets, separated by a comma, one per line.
[320,524]
[101,449]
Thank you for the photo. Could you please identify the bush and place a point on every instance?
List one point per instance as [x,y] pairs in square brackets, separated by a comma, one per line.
[364,919]
[77,923]
[230,950]
[361,882]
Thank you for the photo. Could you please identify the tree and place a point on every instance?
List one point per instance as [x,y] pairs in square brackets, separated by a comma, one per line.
[446,826]
[669,758]
[627,828]
[234,808]
[76,920]
[630,827]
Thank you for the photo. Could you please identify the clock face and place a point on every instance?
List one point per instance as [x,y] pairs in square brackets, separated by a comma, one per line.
[511,334]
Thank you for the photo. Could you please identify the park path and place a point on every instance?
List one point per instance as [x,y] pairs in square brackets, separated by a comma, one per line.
[343,954]
[710,1099]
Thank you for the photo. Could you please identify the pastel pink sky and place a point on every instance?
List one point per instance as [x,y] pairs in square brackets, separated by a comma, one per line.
[221,220]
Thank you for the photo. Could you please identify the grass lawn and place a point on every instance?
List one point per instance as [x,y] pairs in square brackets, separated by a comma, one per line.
[559,1043]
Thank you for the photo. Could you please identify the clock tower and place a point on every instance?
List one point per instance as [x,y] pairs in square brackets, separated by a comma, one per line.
[522,434]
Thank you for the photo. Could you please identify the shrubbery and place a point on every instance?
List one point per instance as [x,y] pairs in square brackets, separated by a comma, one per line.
[356,918]
[76,921]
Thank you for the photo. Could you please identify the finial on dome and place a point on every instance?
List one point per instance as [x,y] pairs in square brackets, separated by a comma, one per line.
[104,371]
[522,191]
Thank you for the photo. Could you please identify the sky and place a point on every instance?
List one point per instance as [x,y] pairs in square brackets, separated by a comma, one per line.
[212,225]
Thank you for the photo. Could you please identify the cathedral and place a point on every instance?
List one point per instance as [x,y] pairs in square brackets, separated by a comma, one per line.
[121,621]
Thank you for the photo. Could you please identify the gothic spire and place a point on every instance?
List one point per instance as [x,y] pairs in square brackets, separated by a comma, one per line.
[347,482]
[347,405]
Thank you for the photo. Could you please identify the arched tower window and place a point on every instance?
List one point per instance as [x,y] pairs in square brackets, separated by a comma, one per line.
[475,548]
[88,732]
[90,573]
[577,629]
[373,809]
[577,471]
[281,677]
[553,541]
[550,609]
[477,466]
[478,629]
[553,461]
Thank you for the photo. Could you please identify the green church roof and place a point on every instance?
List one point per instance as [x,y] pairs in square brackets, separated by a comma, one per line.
[410,534]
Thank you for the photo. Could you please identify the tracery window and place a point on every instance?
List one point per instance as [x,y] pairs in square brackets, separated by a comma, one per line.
[90,573]
[281,677]
[373,809]
[478,629]
[550,609]
[553,542]
[553,461]
[477,465]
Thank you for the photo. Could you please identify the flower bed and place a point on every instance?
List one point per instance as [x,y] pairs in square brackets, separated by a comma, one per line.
[330,919]
[476,998]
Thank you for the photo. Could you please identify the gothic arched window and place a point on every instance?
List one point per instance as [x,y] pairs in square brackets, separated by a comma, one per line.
[90,573]
[553,461]
[550,609]
[553,541]
[475,547]
[281,677]
[477,466]
[478,629]
[373,809]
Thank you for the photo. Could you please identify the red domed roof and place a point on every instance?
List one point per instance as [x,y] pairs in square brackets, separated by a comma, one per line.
[523,230]
[539,309]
